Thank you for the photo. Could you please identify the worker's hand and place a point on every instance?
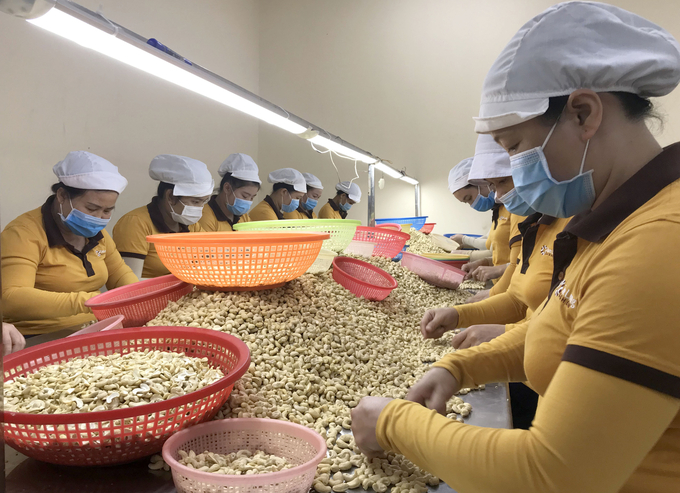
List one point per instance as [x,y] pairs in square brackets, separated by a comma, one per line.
[433,390]
[365,421]
[476,334]
[480,296]
[470,267]
[458,239]
[438,321]
[12,340]
[485,274]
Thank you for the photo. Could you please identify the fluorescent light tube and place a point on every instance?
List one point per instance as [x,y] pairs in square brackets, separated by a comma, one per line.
[341,149]
[386,168]
[63,24]
[410,180]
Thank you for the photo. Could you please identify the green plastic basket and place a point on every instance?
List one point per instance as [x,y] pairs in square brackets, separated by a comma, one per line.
[341,230]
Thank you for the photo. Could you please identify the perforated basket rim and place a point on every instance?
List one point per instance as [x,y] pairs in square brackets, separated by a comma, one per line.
[399,234]
[295,223]
[339,260]
[99,301]
[244,424]
[49,348]
[224,239]
[385,219]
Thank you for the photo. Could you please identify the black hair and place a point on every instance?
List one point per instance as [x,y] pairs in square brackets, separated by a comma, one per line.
[635,107]
[279,186]
[71,191]
[236,183]
[162,187]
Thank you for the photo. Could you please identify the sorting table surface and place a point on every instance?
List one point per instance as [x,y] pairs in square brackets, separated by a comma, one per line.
[490,408]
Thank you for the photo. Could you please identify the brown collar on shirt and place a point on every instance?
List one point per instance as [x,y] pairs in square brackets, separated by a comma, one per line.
[219,215]
[529,229]
[276,210]
[337,208]
[596,225]
[156,216]
[55,238]
[304,211]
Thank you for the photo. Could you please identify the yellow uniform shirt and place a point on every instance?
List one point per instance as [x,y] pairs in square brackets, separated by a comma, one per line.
[213,219]
[515,245]
[530,281]
[266,211]
[132,229]
[45,281]
[604,344]
[331,211]
[300,213]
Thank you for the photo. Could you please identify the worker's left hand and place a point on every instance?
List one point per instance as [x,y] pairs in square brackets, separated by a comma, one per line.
[476,334]
[12,340]
[365,421]
[485,274]
[458,239]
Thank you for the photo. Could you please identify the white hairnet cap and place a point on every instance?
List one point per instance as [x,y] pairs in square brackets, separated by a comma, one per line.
[241,166]
[289,176]
[312,181]
[576,45]
[87,171]
[458,176]
[351,189]
[190,176]
[490,161]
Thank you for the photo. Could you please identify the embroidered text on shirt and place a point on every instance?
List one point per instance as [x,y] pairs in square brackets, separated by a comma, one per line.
[563,294]
[546,250]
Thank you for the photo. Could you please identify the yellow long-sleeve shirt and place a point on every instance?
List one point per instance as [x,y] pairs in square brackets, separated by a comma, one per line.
[300,213]
[530,281]
[515,245]
[499,238]
[604,344]
[45,281]
[131,230]
[213,219]
[331,211]
[266,211]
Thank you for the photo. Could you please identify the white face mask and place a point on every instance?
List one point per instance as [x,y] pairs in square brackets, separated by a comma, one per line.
[190,214]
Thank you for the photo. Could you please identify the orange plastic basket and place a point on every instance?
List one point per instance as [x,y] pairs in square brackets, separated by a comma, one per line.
[138,302]
[121,435]
[427,228]
[388,243]
[238,260]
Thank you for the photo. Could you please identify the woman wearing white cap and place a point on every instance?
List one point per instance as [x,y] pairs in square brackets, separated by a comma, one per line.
[58,256]
[239,187]
[185,187]
[348,194]
[309,200]
[568,99]
[289,187]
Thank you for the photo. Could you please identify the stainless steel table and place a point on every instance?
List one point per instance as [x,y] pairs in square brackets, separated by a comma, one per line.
[490,408]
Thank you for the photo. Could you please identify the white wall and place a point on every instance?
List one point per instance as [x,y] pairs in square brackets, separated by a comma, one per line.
[401,79]
[56,96]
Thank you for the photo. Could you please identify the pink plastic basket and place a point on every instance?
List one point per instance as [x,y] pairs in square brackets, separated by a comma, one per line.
[106,324]
[435,272]
[139,302]
[362,278]
[427,228]
[392,226]
[121,435]
[300,445]
[388,243]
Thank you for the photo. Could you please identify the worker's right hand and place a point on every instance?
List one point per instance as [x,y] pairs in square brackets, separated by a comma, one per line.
[434,390]
[458,239]
[12,340]
[438,321]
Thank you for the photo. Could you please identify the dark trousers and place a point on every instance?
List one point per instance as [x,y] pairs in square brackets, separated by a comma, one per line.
[523,402]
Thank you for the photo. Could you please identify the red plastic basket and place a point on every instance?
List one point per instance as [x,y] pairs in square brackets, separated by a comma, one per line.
[392,226]
[121,435]
[388,243]
[139,302]
[362,278]
[427,228]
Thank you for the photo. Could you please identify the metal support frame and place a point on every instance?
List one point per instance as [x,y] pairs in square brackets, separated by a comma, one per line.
[371,195]
[417,197]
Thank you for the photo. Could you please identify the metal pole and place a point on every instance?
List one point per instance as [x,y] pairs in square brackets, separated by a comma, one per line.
[371,195]
[417,187]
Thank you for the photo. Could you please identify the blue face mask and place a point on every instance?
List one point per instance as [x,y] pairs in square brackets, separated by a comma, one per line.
[310,204]
[240,206]
[514,203]
[294,204]
[482,203]
[346,206]
[82,224]
[538,188]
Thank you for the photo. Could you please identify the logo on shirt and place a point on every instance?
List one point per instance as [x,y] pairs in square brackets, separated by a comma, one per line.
[100,252]
[546,250]
[563,294]
[502,218]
